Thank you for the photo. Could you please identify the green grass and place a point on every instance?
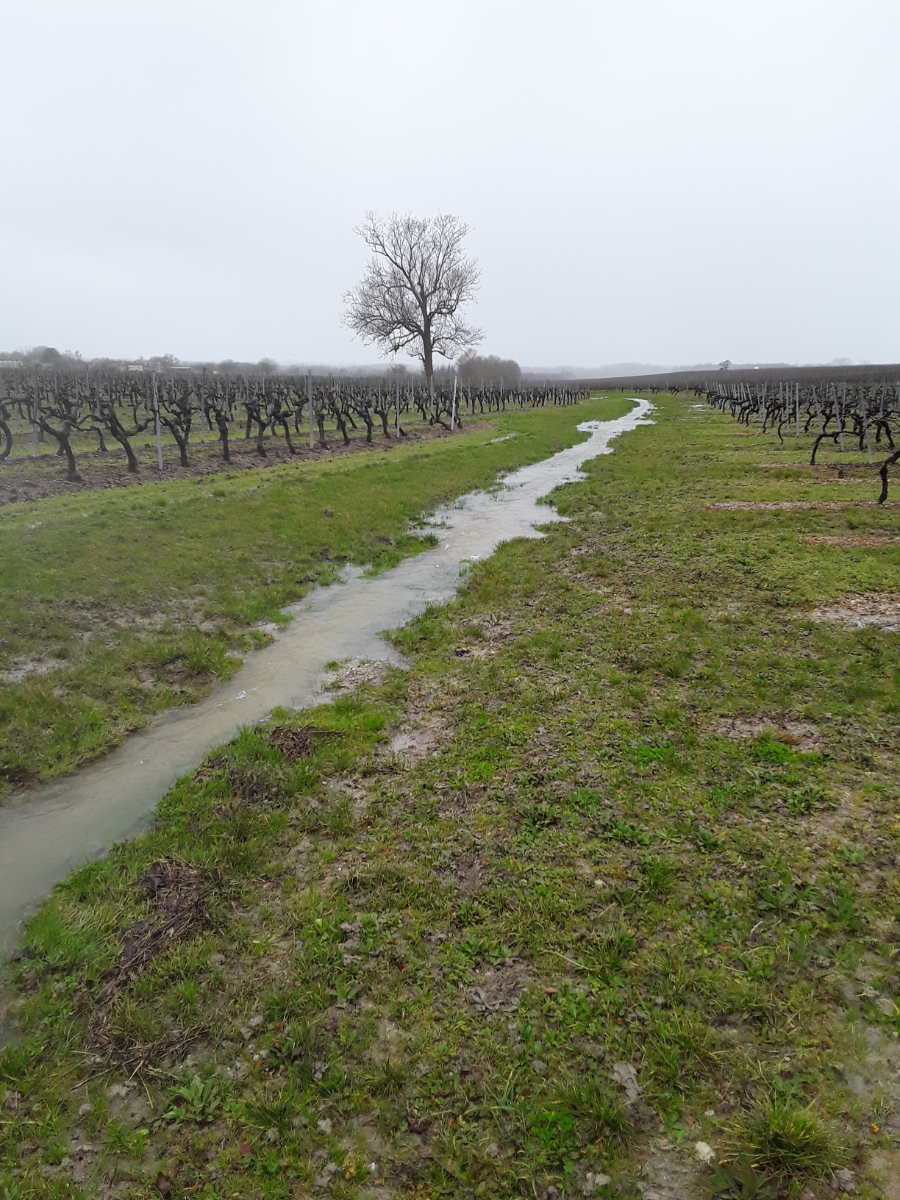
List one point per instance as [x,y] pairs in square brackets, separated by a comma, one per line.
[108,588]
[434,967]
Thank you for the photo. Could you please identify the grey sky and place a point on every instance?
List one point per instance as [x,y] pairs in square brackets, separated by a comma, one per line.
[665,181]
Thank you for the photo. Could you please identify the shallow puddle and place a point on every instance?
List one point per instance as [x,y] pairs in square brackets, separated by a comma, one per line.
[46,832]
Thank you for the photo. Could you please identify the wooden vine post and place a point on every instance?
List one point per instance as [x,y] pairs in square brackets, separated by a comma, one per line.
[310,406]
[159,458]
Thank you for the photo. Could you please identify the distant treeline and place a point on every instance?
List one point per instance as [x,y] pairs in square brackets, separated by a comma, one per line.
[472,368]
[489,369]
[677,381]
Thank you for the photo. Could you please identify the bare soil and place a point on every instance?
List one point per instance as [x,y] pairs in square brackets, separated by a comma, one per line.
[802,735]
[23,666]
[794,505]
[851,540]
[823,469]
[355,673]
[878,609]
[25,479]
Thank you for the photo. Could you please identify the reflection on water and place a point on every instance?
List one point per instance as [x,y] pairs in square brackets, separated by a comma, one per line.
[45,833]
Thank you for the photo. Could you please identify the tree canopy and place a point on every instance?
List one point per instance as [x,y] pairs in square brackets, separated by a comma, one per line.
[481,369]
[415,287]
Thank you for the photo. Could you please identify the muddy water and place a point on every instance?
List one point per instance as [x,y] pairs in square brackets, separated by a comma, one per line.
[45,833]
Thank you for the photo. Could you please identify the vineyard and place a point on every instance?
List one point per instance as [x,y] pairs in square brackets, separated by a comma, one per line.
[856,414]
[129,602]
[99,408]
[609,873]
[854,417]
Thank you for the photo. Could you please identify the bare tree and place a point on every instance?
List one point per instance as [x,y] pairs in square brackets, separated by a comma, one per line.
[415,285]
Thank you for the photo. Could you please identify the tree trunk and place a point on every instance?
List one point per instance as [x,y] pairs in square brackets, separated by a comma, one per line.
[283,422]
[129,453]
[71,471]
[342,426]
[367,417]
[883,472]
[117,430]
[180,442]
[834,437]
[222,423]
[62,438]
[428,355]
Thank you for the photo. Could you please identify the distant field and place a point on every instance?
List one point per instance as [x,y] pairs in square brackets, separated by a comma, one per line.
[116,604]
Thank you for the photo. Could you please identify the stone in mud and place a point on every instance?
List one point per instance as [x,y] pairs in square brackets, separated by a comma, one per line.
[323,1179]
[625,1075]
[846,1181]
[594,1181]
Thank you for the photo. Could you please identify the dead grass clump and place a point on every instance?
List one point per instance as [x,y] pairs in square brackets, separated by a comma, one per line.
[179,896]
[135,1056]
[860,610]
[295,743]
[254,782]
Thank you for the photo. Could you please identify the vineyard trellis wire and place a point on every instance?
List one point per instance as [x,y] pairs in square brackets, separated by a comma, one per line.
[854,414]
[121,405]
[864,417]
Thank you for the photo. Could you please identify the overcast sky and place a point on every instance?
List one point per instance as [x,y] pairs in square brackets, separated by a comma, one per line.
[663,181]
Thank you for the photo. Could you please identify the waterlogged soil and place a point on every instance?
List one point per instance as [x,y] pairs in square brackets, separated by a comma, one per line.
[629,910]
[48,830]
[881,610]
[26,479]
[146,596]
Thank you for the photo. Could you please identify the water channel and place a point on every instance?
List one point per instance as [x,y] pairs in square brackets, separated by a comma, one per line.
[48,831]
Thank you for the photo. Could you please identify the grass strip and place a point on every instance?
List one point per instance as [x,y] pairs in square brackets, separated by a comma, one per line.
[634,895]
[116,605]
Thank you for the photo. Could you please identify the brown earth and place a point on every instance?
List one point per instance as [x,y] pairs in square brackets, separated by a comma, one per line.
[802,735]
[858,610]
[25,479]
[849,539]
[822,468]
[793,505]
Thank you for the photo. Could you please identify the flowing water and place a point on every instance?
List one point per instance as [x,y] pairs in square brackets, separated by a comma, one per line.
[46,832]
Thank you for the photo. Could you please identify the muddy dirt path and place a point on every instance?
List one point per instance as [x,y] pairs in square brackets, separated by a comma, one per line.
[47,832]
